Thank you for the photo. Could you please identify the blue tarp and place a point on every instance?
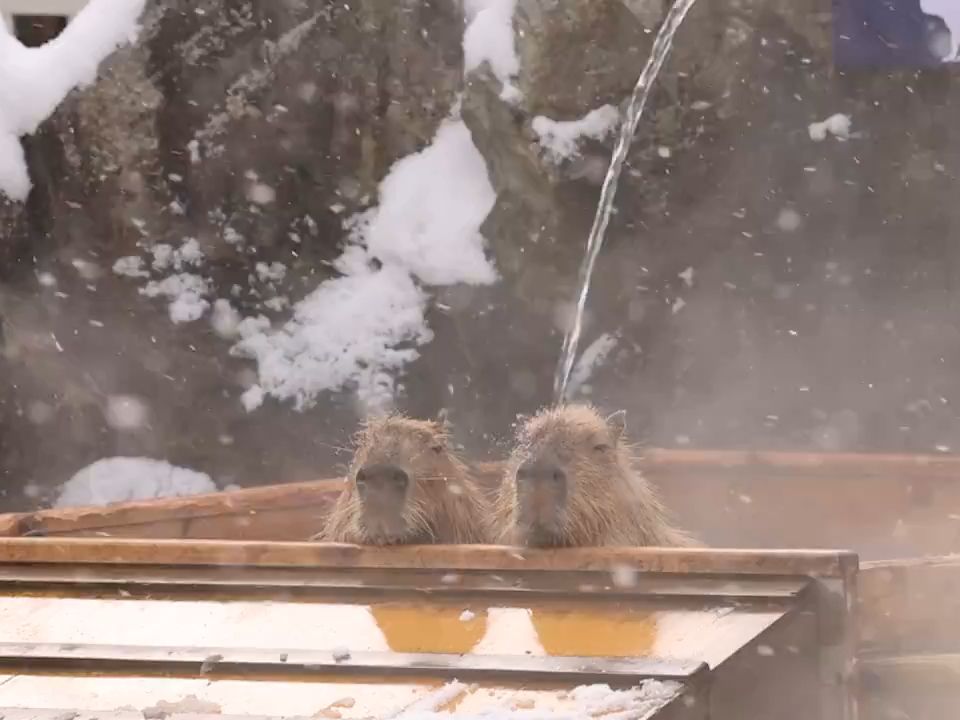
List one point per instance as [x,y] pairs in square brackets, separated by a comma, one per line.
[885,34]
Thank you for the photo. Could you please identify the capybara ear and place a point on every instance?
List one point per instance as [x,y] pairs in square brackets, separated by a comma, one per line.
[617,422]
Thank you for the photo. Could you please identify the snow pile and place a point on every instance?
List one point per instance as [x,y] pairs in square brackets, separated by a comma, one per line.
[346,333]
[561,138]
[358,330]
[33,81]
[185,292]
[589,702]
[121,479]
[489,38]
[837,125]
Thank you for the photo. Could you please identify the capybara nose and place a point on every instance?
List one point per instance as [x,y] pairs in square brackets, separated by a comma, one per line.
[381,478]
[535,471]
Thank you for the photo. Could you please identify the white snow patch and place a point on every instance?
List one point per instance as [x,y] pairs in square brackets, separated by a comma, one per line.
[837,125]
[232,237]
[185,292]
[162,256]
[561,138]
[347,332]
[592,357]
[130,266]
[33,81]
[489,38]
[188,254]
[271,272]
[431,206]
[252,398]
[121,479]
[166,256]
[276,303]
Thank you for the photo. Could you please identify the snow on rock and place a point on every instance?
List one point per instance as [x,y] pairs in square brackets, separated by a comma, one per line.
[121,479]
[346,333]
[130,266]
[252,398]
[185,292]
[561,138]
[271,272]
[431,206]
[837,125]
[166,256]
[489,38]
[33,81]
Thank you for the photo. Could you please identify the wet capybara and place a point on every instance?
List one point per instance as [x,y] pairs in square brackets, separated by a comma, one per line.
[407,486]
[570,482]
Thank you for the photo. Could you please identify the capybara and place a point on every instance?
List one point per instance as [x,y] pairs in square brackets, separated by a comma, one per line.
[570,482]
[407,486]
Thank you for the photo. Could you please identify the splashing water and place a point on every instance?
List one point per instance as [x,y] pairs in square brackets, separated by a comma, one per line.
[638,100]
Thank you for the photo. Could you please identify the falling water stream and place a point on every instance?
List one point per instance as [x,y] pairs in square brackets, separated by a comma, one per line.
[638,100]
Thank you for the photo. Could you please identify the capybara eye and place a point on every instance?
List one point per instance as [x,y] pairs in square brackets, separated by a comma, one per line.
[361,477]
[558,476]
[437,448]
[602,447]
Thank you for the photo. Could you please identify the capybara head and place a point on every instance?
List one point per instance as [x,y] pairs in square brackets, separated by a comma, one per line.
[570,482]
[406,485]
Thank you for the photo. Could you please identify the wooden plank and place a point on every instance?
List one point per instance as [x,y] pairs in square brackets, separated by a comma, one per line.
[657,459]
[237,583]
[326,665]
[463,557]
[910,606]
[248,503]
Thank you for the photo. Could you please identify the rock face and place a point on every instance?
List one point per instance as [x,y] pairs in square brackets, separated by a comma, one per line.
[765,289]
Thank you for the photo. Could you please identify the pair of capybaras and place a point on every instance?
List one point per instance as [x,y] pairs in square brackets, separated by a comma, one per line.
[570,481]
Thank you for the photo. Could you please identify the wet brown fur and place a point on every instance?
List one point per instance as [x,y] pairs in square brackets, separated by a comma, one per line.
[445,505]
[609,501]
